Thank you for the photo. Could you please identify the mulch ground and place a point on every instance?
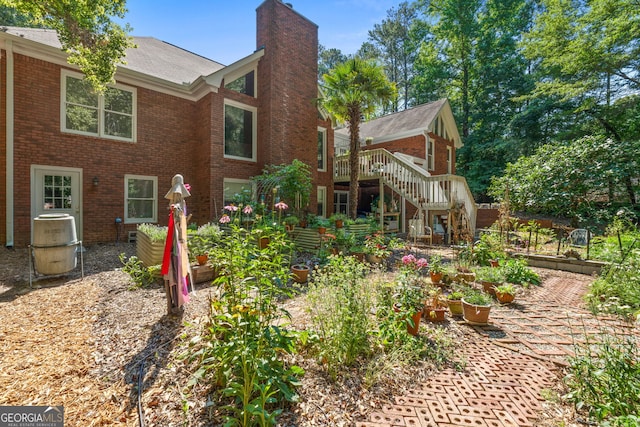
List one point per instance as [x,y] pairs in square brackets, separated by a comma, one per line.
[87,344]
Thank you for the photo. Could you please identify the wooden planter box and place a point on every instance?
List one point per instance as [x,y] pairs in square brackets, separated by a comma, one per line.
[148,252]
[358,229]
[306,239]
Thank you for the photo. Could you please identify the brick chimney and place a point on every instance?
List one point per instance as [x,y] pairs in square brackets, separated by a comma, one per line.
[287,75]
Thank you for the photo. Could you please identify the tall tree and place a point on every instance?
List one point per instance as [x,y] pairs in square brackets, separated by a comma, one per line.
[9,16]
[353,91]
[588,53]
[498,76]
[454,32]
[328,59]
[397,48]
[93,41]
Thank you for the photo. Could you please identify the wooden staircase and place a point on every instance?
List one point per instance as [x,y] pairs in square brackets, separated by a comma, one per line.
[406,176]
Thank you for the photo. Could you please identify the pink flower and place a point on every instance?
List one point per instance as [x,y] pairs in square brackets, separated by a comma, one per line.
[247,210]
[188,187]
[408,259]
[225,219]
[231,208]
[421,263]
[281,206]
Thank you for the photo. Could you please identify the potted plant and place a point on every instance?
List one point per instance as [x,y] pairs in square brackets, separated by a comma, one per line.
[436,270]
[435,306]
[290,222]
[476,306]
[490,277]
[300,272]
[505,293]
[376,248]
[409,303]
[454,301]
[338,219]
[322,224]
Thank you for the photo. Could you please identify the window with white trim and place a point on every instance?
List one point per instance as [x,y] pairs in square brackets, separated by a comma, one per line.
[341,201]
[449,159]
[322,149]
[430,154]
[322,200]
[140,199]
[108,115]
[240,129]
[238,191]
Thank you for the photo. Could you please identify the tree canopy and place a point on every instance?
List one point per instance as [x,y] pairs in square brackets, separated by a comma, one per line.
[519,74]
[86,30]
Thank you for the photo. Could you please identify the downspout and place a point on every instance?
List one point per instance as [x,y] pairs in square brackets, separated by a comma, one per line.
[9,143]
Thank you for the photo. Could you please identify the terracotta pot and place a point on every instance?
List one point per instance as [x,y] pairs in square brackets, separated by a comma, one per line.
[465,277]
[504,297]
[434,314]
[289,227]
[339,223]
[359,256]
[373,259]
[455,307]
[413,330]
[322,230]
[263,242]
[202,259]
[494,263]
[300,273]
[436,278]
[489,287]
[475,313]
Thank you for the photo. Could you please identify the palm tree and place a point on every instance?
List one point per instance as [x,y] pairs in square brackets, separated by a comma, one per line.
[354,90]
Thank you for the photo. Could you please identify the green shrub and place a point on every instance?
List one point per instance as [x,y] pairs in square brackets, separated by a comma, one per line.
[240,353]
[516,271]
[157,233]
[604,379]
[339,301]
[617,291]
[141,276]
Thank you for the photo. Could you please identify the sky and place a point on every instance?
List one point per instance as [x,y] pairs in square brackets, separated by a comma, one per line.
[225,31]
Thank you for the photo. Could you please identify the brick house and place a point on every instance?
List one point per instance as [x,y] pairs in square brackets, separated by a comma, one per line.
[170,111]
[409,158]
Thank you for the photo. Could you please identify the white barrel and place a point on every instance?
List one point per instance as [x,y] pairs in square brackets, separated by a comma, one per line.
[54,243]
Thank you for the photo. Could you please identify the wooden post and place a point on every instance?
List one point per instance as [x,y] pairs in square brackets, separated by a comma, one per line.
[381,205]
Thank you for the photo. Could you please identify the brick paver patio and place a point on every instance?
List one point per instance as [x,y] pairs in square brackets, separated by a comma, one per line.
[508,365]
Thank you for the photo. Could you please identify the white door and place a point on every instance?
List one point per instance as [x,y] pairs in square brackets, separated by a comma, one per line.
[57,190]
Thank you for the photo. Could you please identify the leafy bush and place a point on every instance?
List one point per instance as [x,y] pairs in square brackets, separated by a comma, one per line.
[617,291]
[141,276]
[157,233]
[488,247]
[240,352]
[604,379]
[339,301]
[516,271]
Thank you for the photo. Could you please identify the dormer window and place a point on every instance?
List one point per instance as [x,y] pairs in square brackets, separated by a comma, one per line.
[244,84]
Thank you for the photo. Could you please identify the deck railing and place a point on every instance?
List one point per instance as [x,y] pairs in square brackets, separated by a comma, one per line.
[411,181]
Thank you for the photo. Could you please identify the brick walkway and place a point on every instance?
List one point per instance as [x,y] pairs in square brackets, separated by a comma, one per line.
[513,359]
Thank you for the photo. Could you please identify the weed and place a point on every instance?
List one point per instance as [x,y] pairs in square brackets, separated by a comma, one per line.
[141,276]
[604,378]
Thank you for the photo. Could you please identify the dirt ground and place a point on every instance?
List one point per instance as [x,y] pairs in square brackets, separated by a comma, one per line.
[88,343]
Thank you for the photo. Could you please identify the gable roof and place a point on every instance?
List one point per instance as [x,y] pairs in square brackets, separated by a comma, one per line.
[152,57]
[413,121]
